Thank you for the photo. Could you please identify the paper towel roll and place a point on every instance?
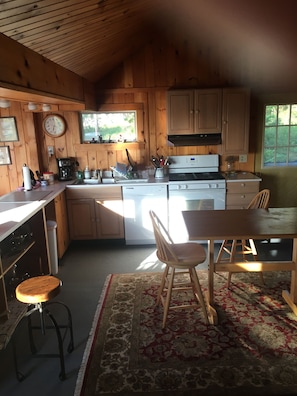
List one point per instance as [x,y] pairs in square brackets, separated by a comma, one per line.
[27,178]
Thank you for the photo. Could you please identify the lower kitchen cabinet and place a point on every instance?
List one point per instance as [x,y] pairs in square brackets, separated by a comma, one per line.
[240,193]
[63,239]
[23,254]
[95,213]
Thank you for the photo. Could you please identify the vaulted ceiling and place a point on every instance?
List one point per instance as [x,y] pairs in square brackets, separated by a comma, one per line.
[92,37]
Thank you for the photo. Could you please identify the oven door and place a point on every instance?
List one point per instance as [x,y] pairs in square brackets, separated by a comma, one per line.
[182,199]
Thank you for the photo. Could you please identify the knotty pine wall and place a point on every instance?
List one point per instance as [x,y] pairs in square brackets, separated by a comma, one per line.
[143,78]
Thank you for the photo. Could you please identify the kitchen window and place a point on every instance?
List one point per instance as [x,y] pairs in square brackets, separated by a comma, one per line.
[280,135]
[112,124]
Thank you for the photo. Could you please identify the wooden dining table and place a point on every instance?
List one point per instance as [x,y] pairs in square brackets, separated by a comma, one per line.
[218,225]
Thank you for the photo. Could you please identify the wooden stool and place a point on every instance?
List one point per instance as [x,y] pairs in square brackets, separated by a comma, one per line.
[37,292]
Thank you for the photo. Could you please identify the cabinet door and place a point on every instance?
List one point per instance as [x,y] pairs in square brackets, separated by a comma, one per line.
[180,112]
[208,111]
[109,218]
[81,214]
[63,239]
[236,115]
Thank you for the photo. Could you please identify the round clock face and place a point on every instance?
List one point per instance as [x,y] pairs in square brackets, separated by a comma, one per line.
[54,125]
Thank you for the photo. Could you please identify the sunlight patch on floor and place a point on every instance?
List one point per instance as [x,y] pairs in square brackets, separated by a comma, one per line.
[150,262]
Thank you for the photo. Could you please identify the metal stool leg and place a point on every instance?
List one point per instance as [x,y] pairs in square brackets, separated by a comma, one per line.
[43,310]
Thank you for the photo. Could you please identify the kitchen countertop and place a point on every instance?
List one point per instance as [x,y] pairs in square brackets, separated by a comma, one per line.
[119,182]
[241,176]
[19,206]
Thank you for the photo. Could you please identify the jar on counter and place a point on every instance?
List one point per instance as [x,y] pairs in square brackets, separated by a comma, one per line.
[49,176]
[87,173]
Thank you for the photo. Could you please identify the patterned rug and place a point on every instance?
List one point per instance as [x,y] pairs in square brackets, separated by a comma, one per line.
[253,350]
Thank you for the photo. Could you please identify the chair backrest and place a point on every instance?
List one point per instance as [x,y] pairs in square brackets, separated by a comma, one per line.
[260,201]
[163,240]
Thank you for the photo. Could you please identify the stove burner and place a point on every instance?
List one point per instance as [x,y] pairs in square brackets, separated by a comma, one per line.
[195,176]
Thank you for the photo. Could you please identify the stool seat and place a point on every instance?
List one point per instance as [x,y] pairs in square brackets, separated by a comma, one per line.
[38,289]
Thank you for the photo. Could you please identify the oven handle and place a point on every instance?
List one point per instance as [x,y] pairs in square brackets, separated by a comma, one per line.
[195,187]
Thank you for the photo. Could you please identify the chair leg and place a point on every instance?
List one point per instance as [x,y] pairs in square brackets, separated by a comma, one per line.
[198,292]
[168,297]
[162,284]
[232,259]
[221,251]
[255,255]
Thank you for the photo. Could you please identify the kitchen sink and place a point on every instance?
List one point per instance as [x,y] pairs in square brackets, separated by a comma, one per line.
[81,182]
[131,181]
[85,182]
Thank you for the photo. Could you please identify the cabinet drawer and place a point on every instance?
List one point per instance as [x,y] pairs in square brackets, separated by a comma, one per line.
[241,200]
[243,187]
[94,192]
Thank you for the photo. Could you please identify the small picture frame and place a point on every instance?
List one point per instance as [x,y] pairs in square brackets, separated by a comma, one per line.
[5,158]
[8,129]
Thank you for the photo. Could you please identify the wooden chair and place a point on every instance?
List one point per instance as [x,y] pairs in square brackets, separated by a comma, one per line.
[260,200]
[181,258]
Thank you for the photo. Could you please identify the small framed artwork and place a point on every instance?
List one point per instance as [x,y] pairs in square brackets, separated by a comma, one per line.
[5,158]
[8,129]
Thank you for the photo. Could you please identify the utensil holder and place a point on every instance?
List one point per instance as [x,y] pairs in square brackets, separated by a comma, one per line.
[159,173]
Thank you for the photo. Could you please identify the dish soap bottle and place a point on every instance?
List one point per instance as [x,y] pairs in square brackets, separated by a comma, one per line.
[87,173]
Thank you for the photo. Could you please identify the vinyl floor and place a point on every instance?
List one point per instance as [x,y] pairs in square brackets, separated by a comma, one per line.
[83,271]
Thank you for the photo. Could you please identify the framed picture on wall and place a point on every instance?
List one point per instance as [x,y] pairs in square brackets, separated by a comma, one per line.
[8,129]
[5,158]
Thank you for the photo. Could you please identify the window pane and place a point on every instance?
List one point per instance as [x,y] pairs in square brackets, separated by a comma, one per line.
[271,115]
[280,135]
[283,115]
[293,155]
[281,156]
[294,114]
[270,136]
[269,156]
[283,136]
[293,135]
[104,127]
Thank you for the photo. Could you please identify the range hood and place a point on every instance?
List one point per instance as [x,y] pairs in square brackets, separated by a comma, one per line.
[201,139]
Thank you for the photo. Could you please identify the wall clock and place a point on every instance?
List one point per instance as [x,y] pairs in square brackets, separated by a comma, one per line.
[54,125]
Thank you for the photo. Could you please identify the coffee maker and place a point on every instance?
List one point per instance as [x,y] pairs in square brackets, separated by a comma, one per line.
[66,168]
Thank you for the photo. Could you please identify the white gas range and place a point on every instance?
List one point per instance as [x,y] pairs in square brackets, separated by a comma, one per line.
[195,183]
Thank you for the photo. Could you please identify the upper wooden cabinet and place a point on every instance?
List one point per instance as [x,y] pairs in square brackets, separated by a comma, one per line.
[236,121]
[194,111]
[207,111]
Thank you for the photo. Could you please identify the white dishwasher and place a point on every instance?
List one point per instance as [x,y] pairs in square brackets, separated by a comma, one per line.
[138,201]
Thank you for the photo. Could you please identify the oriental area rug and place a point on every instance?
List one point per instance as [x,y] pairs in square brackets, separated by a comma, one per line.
[252,351]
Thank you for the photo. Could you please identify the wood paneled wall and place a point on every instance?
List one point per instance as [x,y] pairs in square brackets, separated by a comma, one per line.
[22,151]
[143,78]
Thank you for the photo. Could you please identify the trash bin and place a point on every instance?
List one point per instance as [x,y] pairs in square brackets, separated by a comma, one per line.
[52,242]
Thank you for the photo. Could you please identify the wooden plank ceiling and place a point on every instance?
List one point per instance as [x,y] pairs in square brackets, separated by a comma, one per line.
[92,37]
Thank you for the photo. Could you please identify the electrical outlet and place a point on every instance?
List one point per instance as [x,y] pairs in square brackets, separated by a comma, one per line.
[50,150]
[243,158]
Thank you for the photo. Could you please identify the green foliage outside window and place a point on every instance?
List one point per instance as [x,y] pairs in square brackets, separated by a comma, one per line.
[280,135]
[106,127]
